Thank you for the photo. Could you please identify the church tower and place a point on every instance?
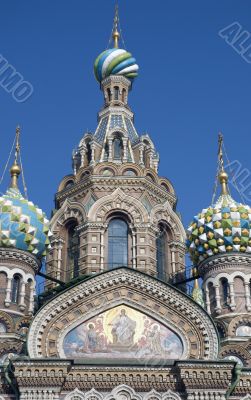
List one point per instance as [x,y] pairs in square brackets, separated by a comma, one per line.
[115,210]
[24,232]
[219,242]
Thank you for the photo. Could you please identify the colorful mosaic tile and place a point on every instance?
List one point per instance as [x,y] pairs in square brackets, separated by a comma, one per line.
[22,224]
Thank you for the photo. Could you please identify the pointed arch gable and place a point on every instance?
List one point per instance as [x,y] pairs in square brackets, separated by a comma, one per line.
[69,209]
[118,287]
[165,213]
[118,201]
[123,392]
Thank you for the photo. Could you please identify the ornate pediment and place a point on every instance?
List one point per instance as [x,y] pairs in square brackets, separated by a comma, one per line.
[122,314]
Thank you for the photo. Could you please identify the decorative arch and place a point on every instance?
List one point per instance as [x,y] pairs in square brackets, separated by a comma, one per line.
[118,201]
[131,166]
[166,185]
[75,394]
[69,210]
[153,395]
[64,181]
[124,392]
[169,395]
[238,321]
[164,212]
[7,320]
[119,287]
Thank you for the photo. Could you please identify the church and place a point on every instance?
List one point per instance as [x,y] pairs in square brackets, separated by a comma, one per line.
[116,320]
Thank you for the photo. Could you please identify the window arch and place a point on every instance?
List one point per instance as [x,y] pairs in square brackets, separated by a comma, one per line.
[109,95]
[117,243]
[15,290]
[72,250]
[116,92]
[161,252]
[3,327]
[224,287]
[117,148]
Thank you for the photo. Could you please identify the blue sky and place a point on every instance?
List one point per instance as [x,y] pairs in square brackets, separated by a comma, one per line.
[191,85]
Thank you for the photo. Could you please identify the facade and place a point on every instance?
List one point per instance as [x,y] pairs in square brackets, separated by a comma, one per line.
[115,321]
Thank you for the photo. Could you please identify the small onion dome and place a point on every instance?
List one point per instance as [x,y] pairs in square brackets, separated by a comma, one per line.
[23,225]
[222,228]
[115,62]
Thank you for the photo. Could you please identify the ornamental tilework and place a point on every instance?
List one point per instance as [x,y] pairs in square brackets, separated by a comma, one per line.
[222,228]
[22,224]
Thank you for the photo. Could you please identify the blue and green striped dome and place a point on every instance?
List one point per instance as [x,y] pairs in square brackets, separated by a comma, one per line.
[23,225]
[115,62]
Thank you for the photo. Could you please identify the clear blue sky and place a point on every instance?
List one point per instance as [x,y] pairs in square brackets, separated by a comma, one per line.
[191,85]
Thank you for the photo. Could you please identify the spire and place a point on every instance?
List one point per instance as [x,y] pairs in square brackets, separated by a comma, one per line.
[222,176]
[115,32]
[15,169]
[197,293]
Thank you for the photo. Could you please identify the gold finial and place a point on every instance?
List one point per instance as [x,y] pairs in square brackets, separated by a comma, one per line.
[223,176]
[115,32]
[195,275]
[15,169]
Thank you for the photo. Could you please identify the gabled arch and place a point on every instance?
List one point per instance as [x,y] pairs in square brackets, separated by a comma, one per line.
[123,390]
[118,201]
[165,212]
[75,393]
[169,395]
[69,210]
[153,395]
[178,312]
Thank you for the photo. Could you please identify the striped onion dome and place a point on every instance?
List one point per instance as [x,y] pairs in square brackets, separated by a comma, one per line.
[115,62]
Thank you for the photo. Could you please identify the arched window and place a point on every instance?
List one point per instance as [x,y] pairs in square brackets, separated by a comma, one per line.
[161,252]
[117,243]
[109,95]
[89,152]
[72,252]
[116,93]
[117,149]
[3,327]
[15,289]
[224,291]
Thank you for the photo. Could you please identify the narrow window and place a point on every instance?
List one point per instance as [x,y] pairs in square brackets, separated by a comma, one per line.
[109,96]
[117,243]
[225,290]
[161,253]
[73,252]
[117,149]
[15,289]
[116,93]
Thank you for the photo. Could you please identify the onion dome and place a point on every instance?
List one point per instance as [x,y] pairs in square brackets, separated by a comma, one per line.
[115,61]
[221,228]
[23,225]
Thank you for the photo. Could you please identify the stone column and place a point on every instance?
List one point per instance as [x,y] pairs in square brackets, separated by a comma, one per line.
[207,299]
[8,292]
[21,302]
[232,296]
[247,296]
[134,255]
[92,154]
[141,158]
[102,250]
[82,153]
[31,299]
[110,150]
[125,140]
[217,298]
